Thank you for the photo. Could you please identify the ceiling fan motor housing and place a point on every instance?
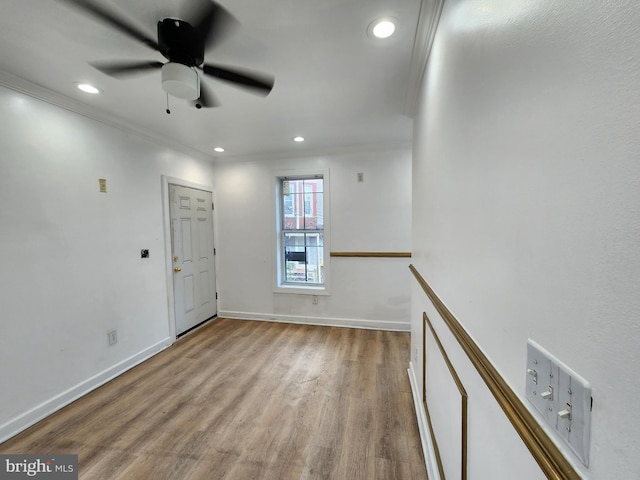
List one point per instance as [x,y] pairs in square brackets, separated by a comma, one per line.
[179,42]
[183,46]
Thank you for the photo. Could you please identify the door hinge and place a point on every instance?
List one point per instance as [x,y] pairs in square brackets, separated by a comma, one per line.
[212,207]
[216,295]
[214,251]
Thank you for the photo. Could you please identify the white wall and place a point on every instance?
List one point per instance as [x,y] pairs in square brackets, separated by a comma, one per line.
[71,267]
[526,207]
[371,216]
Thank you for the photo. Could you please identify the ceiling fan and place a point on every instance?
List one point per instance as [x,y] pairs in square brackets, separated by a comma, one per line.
[183,45]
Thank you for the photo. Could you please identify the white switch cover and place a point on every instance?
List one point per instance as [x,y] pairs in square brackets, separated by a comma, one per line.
[562,397]
[540,379]
[574,394]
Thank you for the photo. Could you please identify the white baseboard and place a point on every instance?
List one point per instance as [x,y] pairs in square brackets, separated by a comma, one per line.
[31,417]
[322,321]
[425,436]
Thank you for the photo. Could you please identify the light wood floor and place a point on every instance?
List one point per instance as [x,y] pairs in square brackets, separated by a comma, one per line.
[241,400]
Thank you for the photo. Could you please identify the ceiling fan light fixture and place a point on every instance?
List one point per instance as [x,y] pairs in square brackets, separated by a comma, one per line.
[298,139]
[180,81]
[218,149]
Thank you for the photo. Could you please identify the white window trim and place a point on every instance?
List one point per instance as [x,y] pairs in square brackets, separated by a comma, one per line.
[279,286]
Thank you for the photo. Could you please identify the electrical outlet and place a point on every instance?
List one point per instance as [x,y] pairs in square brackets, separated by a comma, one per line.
[113,337]
[315,300]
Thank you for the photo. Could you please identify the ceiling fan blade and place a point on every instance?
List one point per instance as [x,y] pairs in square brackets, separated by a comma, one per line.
[259,82]
[124,69]
[211,20]
[113,20]
[207,98]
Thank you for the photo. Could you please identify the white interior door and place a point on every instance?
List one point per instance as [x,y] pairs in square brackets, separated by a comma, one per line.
[194,279]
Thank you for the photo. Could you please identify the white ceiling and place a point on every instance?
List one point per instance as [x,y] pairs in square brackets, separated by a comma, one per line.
[334,84]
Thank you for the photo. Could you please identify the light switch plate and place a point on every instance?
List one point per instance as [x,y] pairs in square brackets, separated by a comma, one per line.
[575,392]
[570,393]
[540,379]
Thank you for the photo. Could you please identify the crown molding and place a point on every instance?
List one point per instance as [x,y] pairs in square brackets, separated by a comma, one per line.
[20,85]
[316,153]
[428,19]
[39,92]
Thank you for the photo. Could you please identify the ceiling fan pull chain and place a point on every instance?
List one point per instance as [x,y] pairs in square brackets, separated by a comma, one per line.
[168,111]
[198,105]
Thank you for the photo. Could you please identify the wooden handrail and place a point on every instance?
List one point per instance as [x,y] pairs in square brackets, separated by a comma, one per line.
[552,462]
[372,254]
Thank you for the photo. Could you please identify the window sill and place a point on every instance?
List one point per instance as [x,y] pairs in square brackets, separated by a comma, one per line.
[301,290]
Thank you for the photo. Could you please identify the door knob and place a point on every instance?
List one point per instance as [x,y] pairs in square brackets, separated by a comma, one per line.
[177,269]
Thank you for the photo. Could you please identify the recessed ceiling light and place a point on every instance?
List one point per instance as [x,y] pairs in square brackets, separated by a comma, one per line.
[218,149]
[382,27]
[298,139]
[86,88]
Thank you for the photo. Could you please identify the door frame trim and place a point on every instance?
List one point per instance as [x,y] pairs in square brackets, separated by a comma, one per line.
[166,215]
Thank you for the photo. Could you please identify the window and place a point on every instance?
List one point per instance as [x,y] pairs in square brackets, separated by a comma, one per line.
[301,232]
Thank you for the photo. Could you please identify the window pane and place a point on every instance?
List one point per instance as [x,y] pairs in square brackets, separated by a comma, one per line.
[302,247]
[294,257]
[314,185]
[304,257]
[315,220]
[315,271]
[293,215]
[288,205]
[302,204]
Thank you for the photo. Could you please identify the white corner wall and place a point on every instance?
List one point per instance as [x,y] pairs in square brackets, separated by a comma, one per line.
[526,209]
[71,268]
[371,216]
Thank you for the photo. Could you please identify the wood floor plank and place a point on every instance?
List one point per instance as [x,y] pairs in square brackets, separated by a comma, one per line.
[320,464]
[239,400]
